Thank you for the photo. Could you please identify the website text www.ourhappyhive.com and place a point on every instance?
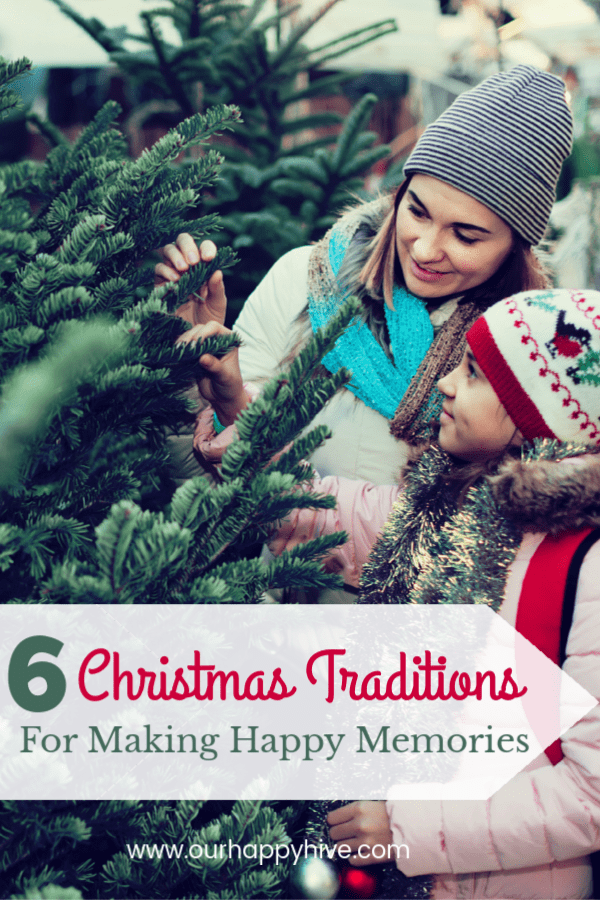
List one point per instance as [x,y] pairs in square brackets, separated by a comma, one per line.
[263,852]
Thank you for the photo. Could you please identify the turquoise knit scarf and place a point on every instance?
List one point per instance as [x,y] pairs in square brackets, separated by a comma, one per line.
[376,380]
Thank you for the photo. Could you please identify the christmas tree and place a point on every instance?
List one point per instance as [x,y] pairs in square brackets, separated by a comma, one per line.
[92,386]
[285,176]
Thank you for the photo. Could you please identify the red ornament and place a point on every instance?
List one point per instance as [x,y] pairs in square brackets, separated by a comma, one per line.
[358,883]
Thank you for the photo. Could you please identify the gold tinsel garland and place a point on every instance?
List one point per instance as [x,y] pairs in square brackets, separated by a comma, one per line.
[432,551]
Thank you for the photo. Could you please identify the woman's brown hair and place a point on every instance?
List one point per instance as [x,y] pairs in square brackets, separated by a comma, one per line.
[520,271]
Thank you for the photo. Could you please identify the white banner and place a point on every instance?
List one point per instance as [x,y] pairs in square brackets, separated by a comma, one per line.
[272,702]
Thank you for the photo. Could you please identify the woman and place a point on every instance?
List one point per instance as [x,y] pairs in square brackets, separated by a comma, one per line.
[456,237]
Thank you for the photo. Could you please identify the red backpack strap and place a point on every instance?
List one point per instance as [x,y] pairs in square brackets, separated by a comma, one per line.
[547,598]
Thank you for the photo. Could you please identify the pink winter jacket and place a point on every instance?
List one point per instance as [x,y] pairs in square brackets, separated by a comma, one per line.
[533,837]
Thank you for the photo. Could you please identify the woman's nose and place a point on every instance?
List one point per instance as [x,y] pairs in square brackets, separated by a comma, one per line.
[428,248]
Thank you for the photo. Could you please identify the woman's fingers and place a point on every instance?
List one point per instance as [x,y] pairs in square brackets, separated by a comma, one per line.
[187,252]
[209,302]
[173,263]
[178,257]
[191,336]
[188,249]
[208,250]
[164,272]
[200,332]
[212,364]
[215,297]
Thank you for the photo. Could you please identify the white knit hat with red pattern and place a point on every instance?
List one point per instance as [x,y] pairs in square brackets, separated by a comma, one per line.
[540,351]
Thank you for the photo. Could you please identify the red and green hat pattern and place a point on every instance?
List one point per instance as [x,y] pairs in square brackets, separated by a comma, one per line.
[540,351]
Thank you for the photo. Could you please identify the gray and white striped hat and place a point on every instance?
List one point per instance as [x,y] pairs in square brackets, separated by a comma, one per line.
[503,143]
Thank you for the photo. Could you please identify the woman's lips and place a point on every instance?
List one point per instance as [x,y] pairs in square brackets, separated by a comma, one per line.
[425,274]
[445,416]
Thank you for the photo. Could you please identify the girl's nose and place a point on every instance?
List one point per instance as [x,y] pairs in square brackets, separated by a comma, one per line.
[446,384]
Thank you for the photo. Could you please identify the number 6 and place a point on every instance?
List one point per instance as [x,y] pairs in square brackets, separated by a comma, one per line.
[21,672]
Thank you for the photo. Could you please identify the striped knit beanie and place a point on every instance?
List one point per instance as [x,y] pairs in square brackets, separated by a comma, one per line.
[503,143]
[540,351]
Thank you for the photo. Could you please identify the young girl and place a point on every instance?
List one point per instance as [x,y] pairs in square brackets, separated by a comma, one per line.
[464,526]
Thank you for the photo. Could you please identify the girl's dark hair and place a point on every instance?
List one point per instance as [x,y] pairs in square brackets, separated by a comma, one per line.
[520,271]
[462,475]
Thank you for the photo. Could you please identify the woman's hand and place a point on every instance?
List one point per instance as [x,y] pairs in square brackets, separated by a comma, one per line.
[210,303]
[361,826]
[221,380]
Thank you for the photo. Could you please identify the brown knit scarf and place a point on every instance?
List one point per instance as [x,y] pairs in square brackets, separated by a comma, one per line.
[422,401]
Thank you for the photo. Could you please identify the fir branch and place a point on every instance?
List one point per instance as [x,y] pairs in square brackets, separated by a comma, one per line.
[93,27]
[330,84]
[312,121]
[265,423]
[20,178]
[34,394]
[11,70]
[9,99]
[16,248]
[351,41]
[99,136]
[351,129]
[298,33]
[364,161]
[195,501]
[176,87]
[53,135]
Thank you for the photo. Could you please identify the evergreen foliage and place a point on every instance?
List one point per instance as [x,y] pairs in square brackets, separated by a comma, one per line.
[88,514]
[91,384]
[282,183]
[72,849]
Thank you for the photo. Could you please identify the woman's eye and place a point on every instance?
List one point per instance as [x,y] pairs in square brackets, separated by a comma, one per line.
[418,213]
[464,239]
[472,371]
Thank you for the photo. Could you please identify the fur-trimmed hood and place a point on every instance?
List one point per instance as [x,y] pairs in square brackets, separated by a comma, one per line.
[546,495]
[363,222]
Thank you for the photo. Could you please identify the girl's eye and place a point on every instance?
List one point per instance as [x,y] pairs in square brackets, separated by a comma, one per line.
[472,370]
[464,239]
[417,213]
